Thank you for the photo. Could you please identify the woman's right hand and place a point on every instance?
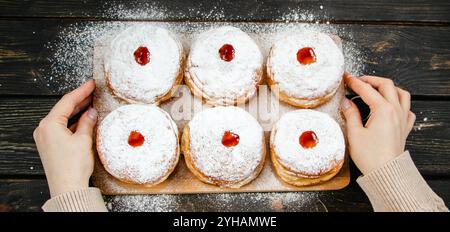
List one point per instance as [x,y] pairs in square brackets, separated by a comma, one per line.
[384,135]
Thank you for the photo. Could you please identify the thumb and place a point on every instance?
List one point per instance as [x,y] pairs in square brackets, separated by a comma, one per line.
[352,115]
[87,122]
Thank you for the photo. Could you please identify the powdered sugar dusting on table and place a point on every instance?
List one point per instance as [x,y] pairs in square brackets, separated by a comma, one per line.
[248,202]
[217,161]
[152,160]
[135,10]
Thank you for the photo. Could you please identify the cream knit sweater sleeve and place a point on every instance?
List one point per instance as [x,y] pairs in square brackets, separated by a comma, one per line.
[398,186]
[83,200]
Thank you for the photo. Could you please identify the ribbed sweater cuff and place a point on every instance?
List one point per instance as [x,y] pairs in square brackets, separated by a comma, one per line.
[83,200]
[398,186]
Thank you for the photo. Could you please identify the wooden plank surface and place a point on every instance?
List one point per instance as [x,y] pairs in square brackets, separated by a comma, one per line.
[243,10]
[429,142]
[30,195]
[408,41]
[416,57]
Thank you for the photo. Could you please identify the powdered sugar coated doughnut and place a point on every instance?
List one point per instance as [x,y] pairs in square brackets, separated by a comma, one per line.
[212,161]
[306,85]
[218,81]
[324,156]
[138,82]
[153,160]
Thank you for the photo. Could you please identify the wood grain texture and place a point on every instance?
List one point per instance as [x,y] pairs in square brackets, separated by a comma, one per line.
[243,10]
[19,117]
[408,41]
[416,57]
[429,142]
[31,194]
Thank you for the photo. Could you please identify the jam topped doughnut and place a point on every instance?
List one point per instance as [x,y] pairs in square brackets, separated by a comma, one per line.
[143,64]
[224,66]
[224,146]
[305,69]
[307,147]
[138,144]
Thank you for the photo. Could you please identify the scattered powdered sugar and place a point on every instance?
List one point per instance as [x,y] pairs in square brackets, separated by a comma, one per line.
[71,59]
[297,15]
[155,11]
[231,80]
[135,11]
[227,202]
[330,148]
[232,164]
[143,203]
[151,161]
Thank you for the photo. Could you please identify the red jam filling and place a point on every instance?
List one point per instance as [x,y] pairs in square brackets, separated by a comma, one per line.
[135,139]
[306,56]
[230,139]
[226,52]
[308,139]
[142,55]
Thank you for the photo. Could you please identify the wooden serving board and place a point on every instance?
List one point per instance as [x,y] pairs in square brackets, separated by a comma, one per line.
[182,181]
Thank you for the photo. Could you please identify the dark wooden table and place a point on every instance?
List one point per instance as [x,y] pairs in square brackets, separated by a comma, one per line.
[408,41]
